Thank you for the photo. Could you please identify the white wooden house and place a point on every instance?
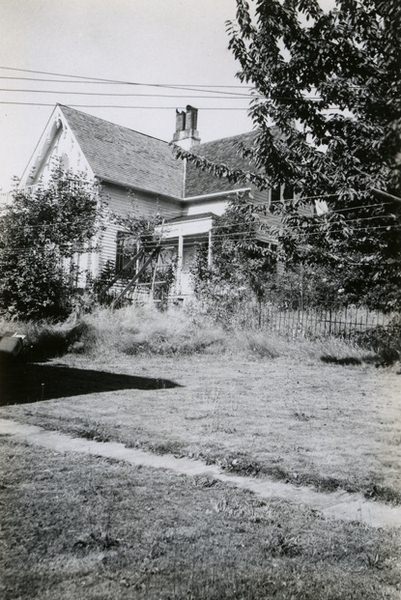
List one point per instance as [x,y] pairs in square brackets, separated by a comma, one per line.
[139,173]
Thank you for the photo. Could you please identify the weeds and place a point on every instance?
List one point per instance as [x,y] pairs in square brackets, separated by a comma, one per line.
[95,432]
[96,541]
[281,544]
[170,447]
[260,343]
[145,331]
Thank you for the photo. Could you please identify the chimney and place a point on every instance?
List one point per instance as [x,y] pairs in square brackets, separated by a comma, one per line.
[186,134]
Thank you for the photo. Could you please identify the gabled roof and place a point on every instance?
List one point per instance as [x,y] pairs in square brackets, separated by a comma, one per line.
[125,156]
[225,150]
[133,159]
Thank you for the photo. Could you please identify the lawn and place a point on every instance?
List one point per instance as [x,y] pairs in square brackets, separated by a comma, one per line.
[304,421]
[76,527]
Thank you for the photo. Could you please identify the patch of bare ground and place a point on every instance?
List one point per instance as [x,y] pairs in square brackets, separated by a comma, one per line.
[77,527]
[302,421]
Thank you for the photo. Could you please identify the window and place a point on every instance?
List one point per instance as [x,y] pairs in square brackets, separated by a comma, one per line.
[275,194]
[125,251]
[281,192]
[288,192]
[64,162]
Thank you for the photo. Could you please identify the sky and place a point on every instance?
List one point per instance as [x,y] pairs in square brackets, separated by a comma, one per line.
[146,41]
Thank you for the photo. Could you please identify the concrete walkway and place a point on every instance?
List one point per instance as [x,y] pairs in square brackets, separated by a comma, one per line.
[337,505]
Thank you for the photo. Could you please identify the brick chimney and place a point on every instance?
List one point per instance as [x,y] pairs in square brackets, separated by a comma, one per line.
[186,135]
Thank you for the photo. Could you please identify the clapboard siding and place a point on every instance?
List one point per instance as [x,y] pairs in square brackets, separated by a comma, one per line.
[271,220]
[264,196]
[216,206]
[124,202]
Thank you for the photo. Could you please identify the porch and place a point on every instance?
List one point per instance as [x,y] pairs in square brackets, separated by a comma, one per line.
[183,235]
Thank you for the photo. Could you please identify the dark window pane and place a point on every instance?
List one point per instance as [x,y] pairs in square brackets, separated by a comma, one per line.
[288,192]
[125,251]
[275,197]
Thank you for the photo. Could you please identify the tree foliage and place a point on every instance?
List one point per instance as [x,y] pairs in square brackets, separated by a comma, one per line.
[241,262]
[39,231]
[330,82]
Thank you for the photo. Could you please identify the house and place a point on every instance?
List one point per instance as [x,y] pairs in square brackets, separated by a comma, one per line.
[140,174]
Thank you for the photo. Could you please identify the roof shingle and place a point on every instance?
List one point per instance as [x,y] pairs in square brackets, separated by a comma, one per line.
[126,156]
[225,150]
[133,159]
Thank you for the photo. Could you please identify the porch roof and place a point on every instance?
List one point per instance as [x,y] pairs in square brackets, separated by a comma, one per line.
[196,217]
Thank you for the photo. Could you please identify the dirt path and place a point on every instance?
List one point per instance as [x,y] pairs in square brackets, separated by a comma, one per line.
[337,505]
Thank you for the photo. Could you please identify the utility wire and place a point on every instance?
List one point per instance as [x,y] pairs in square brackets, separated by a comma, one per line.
[234,192]
[196,237]
[275,227]
[233,96]
[366,206]
[228,225]
[89,79]
[187,96]
[116,81]
[191,240]
[123,106]
[120,94]
[187,87]
[75,81]
[179,214]
[271,215]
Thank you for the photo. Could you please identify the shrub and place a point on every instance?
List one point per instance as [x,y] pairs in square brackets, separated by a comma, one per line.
[40,229]
[385,341]
[45,340]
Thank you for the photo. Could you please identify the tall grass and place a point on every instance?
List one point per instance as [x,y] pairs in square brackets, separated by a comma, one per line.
[144,330]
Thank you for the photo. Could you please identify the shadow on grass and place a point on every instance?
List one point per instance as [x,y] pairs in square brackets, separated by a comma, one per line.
[22,383]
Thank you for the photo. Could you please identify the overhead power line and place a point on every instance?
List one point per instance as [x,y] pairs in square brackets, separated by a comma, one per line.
[215,95]
[191,240]
[121,106]
[273,231]
[129,106]
[225,226]
[127,94]
[108,80]
[115,81]
[79,81]
[206,88]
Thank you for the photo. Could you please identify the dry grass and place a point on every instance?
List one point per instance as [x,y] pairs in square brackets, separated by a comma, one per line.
[147,331]
[76,527]
[144,330]
[296,419]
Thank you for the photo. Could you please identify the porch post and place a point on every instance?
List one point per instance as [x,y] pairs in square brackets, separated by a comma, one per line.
[209,250]
[180,260]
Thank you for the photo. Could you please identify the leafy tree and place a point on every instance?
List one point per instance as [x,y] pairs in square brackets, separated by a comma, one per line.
[42,228]
[241,262]
[330,81]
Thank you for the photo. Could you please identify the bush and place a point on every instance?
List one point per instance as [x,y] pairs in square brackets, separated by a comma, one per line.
[41,229]
[385,341]
[48,340]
